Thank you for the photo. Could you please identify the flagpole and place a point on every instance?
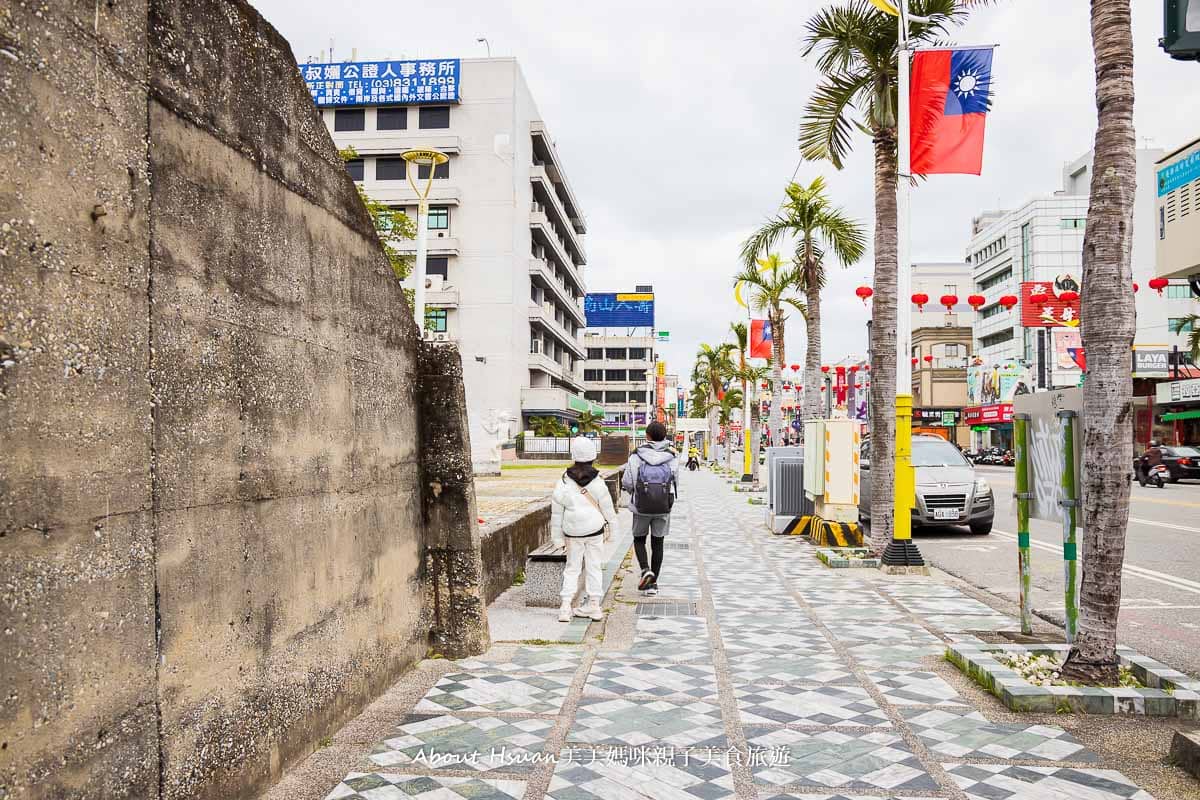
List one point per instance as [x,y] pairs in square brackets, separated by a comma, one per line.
[747,387]
[901,552]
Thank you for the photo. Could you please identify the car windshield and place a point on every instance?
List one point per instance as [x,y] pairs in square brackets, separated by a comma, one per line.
[939,453]
[1185,451]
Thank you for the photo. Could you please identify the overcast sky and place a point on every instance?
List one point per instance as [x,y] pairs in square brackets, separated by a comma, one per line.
[677,121]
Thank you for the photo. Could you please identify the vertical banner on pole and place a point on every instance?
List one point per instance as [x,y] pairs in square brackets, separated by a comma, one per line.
[1024,567]
[1070,503]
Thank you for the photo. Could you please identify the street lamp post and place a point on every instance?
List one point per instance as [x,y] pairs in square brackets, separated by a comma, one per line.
[431,159]
[901,551]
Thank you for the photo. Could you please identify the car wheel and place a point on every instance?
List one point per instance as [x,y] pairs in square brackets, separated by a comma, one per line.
[981,528]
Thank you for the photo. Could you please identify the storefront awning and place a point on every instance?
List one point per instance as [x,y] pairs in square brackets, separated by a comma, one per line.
[1174,415]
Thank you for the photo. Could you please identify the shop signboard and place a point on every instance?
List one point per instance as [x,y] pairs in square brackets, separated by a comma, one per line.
[936,416]
[1151,362]
[1178,392]
[998,382]
[1045,443]
[1050,310]
[373,83]
[992,414]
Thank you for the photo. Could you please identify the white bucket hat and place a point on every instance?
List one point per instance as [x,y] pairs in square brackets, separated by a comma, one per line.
[583,449]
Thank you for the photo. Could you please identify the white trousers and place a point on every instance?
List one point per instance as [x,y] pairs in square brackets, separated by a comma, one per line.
[584,555]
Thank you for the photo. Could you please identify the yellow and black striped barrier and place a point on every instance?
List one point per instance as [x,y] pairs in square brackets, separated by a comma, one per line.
[798,526]
[826,533]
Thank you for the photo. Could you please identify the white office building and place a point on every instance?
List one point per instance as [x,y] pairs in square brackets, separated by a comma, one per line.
[1042,240]
[506,241]
[619,375]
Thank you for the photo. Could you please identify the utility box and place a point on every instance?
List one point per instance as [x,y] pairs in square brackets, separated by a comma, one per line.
[838,498]
[814,458]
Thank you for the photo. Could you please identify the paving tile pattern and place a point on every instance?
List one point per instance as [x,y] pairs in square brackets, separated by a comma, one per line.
[757,672]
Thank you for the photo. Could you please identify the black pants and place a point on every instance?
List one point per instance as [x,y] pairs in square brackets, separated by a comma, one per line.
[657,545]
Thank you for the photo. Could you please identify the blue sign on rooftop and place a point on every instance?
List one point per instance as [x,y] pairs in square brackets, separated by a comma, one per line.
[625,310]
[367,83]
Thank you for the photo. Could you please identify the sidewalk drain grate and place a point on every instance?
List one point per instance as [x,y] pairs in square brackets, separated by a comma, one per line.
[677,546]
[667,609]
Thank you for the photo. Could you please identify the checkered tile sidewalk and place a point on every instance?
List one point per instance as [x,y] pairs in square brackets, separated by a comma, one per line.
[785,680]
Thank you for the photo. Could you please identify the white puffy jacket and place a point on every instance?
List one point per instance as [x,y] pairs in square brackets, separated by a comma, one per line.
[573,515]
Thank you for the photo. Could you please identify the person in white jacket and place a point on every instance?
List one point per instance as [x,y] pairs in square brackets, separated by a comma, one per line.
[580,507]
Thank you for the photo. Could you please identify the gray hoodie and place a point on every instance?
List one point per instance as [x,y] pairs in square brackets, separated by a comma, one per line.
[653,453]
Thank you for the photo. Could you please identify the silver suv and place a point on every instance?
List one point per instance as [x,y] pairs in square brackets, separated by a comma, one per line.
[948,491]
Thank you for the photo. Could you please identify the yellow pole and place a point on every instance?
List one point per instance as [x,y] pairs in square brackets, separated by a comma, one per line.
[906,488]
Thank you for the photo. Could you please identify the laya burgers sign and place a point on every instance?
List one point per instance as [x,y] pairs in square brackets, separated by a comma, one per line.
[1151,362]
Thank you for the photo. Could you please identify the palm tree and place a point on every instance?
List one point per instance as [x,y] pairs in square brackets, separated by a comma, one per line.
[817,226]
[730,406]
[1191,326]
[590,423]
[547,426]
[1108,329]
[712,364]
[772,286]
[856,51]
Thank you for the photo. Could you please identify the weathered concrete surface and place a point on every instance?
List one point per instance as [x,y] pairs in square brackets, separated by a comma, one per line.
[212,532]
[1185,751]
[505,547]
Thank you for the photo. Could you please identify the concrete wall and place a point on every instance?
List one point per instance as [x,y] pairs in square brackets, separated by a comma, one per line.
[212,528]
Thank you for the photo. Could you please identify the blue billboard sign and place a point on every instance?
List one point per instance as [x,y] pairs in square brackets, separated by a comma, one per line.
[632,310]
[1183,171]
[367,83]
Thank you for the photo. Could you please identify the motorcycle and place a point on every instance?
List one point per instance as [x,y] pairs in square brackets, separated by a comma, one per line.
[1159,475]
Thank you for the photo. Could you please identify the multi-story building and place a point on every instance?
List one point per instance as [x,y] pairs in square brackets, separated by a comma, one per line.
[505,269]
[619,373]
[941,346]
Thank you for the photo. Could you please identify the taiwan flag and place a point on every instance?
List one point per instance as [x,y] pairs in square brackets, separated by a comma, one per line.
[948,105]
[760,338]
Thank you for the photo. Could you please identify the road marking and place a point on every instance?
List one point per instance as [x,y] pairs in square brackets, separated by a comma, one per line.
[1173,581]
[1158,524]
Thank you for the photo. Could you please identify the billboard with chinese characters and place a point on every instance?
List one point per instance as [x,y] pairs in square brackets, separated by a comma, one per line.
[996,383]
[620,310]
[369,83]
[1042,306]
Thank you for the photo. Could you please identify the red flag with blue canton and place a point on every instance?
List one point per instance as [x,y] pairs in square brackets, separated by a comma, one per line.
[760,338]
[951,92]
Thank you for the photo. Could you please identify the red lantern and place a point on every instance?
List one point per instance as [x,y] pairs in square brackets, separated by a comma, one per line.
[858,386]
[822,388]
[920,298]
[1158,284]
[764,384]
[949,301]
[841,370]
[1135,288]
[1037,298]
[928,359]
[795,367]
[867,367]
[720,395]
[1069,297]
[864,293]
[824,369]
[914,362]
[1009,300]
[854,367]
[976,300]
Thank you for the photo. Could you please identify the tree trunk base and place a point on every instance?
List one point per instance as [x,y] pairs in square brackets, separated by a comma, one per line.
[1092,673]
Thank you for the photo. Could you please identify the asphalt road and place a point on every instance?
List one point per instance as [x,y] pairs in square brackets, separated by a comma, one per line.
[1160,602]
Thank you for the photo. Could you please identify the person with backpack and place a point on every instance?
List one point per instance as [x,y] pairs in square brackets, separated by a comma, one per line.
[652,480]
[580,508]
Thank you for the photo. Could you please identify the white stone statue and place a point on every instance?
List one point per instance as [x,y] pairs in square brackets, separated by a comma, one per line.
[488,437]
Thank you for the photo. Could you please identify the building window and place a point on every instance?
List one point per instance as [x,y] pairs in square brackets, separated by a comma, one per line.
[435,117]
[391,119]
[1026,252]
[637,397]
[440,171]
[593,374]
[614,374]
[595,397]
[997,279]
[637,375]
[637,354]
[991,311]
[1179,291]
[614,397]
[1073,223]
[439,218]
[390,169]
[355,167]
[435,320]
[1174,322]
[595,353]
[997,338]
[350,119]
[438,265]
[615,353]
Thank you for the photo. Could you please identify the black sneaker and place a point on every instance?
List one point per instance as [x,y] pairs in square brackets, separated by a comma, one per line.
[647,580]
[653,590]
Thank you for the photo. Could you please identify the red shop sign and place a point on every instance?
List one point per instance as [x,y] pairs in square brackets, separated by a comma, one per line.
[1048,310]
[987,415]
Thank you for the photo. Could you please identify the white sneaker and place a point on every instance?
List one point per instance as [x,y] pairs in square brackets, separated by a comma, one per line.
[590,612]
[564,612]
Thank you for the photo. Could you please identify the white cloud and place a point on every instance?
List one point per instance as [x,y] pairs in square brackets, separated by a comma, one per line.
[677,123]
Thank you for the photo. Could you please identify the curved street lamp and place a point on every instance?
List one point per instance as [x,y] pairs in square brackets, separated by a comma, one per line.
[421,157]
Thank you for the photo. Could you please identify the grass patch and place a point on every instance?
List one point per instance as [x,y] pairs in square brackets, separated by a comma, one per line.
[546,465]
[519,578]
[324,742]
[1043,669]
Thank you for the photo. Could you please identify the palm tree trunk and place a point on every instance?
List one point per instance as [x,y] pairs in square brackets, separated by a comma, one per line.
[883,344]
[811,402]
[777,356]
[1108,329]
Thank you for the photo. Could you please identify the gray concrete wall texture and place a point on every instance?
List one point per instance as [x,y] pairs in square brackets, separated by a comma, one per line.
[212,528]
